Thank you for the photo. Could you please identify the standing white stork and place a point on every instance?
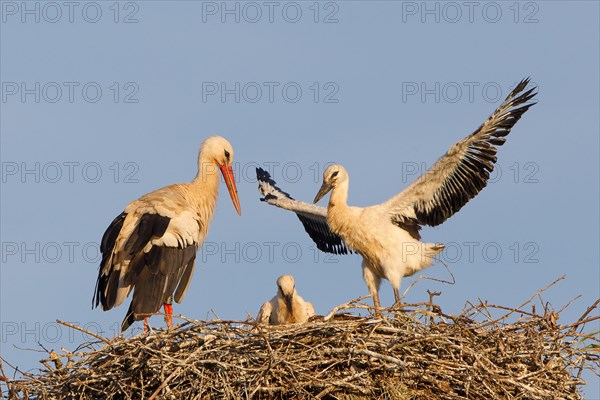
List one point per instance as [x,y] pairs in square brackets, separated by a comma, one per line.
[286,307]
[151,247]
[387,235]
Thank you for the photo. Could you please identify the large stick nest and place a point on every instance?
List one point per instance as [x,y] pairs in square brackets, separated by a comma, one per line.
[410,352]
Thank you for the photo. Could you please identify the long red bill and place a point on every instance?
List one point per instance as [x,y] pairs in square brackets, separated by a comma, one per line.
[227,172]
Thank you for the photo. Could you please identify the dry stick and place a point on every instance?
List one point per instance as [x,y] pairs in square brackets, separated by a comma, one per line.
[2,373]
[4,379]
[518,308]
[569,303]
[332,387]
[165,382]
[560,278]
[580,322]
[452,282]
[16,369]
[83,330]
[382,357]
[589,310]
[411,285]
[345,306]
[511,309]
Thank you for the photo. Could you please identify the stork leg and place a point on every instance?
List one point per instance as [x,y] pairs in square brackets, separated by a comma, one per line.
[145,326]
[168,314]
[372,280]
[376,302]
[396,296]
[397,303]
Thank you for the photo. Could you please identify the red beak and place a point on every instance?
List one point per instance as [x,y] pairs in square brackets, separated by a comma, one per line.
[227,172]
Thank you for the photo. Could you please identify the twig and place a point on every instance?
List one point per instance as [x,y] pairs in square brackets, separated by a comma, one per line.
[83,330]
[345,306]
[585,314]
[164,384]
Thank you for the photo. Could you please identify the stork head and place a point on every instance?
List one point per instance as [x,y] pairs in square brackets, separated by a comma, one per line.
[286,287]
[218,150]
[333,176]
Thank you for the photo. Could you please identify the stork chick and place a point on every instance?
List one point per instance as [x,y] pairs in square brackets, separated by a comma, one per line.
[287,307]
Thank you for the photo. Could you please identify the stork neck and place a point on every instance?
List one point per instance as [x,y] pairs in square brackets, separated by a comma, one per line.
[206,182]
[339,196]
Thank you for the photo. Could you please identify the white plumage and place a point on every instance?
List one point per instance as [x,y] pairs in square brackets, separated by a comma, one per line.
[151,246]
[286,307]
[387,235]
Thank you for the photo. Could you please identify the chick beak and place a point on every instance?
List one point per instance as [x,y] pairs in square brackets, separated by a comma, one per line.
[288,301]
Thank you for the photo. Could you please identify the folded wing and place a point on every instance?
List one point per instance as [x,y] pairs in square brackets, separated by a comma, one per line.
[150,248]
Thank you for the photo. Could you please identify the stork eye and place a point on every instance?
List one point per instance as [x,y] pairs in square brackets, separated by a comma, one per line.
[227,155]
[334,174]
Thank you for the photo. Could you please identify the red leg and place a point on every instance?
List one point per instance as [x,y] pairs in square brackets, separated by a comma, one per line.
[168,314]
[145,326]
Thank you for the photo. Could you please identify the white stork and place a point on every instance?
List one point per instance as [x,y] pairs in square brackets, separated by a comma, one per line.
[387,235]
[287,307]
[151,247]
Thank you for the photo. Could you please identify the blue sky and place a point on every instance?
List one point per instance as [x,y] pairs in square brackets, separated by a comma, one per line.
[103,102]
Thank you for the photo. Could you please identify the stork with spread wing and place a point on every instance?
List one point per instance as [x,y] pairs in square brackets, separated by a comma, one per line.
[387,235]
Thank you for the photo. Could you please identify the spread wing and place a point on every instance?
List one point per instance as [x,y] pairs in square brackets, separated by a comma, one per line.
[313,218]
[463,171]
[150,248]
